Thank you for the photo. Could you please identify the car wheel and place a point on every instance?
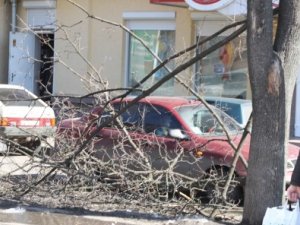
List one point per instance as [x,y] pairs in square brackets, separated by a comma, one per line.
[214,186]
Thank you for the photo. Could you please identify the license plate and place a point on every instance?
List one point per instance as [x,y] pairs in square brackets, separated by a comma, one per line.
[29,123]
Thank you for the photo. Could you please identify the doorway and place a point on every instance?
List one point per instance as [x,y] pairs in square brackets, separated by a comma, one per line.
[45,76]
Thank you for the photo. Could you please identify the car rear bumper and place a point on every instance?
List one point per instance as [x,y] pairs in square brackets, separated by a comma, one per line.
[27,137]
[11,132]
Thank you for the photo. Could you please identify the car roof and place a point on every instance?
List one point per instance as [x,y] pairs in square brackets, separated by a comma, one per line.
[228,100]
[165,101]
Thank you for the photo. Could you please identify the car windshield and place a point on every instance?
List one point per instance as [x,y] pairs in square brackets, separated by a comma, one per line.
[18,97]
[201,121]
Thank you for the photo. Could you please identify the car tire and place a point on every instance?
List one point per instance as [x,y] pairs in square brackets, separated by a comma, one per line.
[215,182]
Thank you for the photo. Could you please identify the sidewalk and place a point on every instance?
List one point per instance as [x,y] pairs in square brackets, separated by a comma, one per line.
[23,216]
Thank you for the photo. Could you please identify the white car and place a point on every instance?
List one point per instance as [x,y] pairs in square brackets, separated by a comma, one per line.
[26,122]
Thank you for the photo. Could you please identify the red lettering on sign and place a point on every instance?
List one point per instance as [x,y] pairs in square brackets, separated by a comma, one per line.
[206,2]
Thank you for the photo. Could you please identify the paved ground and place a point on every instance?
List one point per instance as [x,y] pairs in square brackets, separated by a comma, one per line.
[20,216]
[20,165]
[17,165]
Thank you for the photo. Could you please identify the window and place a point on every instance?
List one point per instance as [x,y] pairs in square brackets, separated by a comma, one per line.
[223,72]
[18,97]
[147,118]
[159,118]
[132,117]
[202,122]
[158,33]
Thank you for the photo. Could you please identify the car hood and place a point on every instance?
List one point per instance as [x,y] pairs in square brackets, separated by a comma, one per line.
[221,144]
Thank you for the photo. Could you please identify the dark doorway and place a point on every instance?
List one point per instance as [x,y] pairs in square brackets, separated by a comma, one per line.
[45,85]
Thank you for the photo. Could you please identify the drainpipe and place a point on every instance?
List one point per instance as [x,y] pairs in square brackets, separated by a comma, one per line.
[14,15]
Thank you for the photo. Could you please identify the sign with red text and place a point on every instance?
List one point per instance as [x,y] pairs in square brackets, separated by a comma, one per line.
[230,6]
[208,5]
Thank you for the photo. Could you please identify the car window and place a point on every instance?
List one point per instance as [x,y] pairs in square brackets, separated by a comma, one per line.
[157,117]
[201,121]
[204,120]
[132,117]
[18,97]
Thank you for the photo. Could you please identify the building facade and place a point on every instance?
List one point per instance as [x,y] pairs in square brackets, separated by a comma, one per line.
[69,47]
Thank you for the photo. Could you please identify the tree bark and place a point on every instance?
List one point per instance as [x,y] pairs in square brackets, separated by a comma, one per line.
[287,45]
[273,73]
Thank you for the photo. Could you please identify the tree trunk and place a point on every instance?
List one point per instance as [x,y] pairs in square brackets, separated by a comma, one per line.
[272,77]
[287,44]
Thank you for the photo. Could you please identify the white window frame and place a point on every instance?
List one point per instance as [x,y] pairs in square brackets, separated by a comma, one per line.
[145,21]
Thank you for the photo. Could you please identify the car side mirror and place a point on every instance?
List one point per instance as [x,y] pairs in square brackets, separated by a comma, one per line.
[177,133]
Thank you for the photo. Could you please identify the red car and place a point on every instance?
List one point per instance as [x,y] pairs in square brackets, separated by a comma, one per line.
[165,132]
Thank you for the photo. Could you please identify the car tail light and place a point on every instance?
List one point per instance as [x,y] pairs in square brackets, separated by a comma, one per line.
[52,122]
[4,122]
[48,122]
[27,122]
